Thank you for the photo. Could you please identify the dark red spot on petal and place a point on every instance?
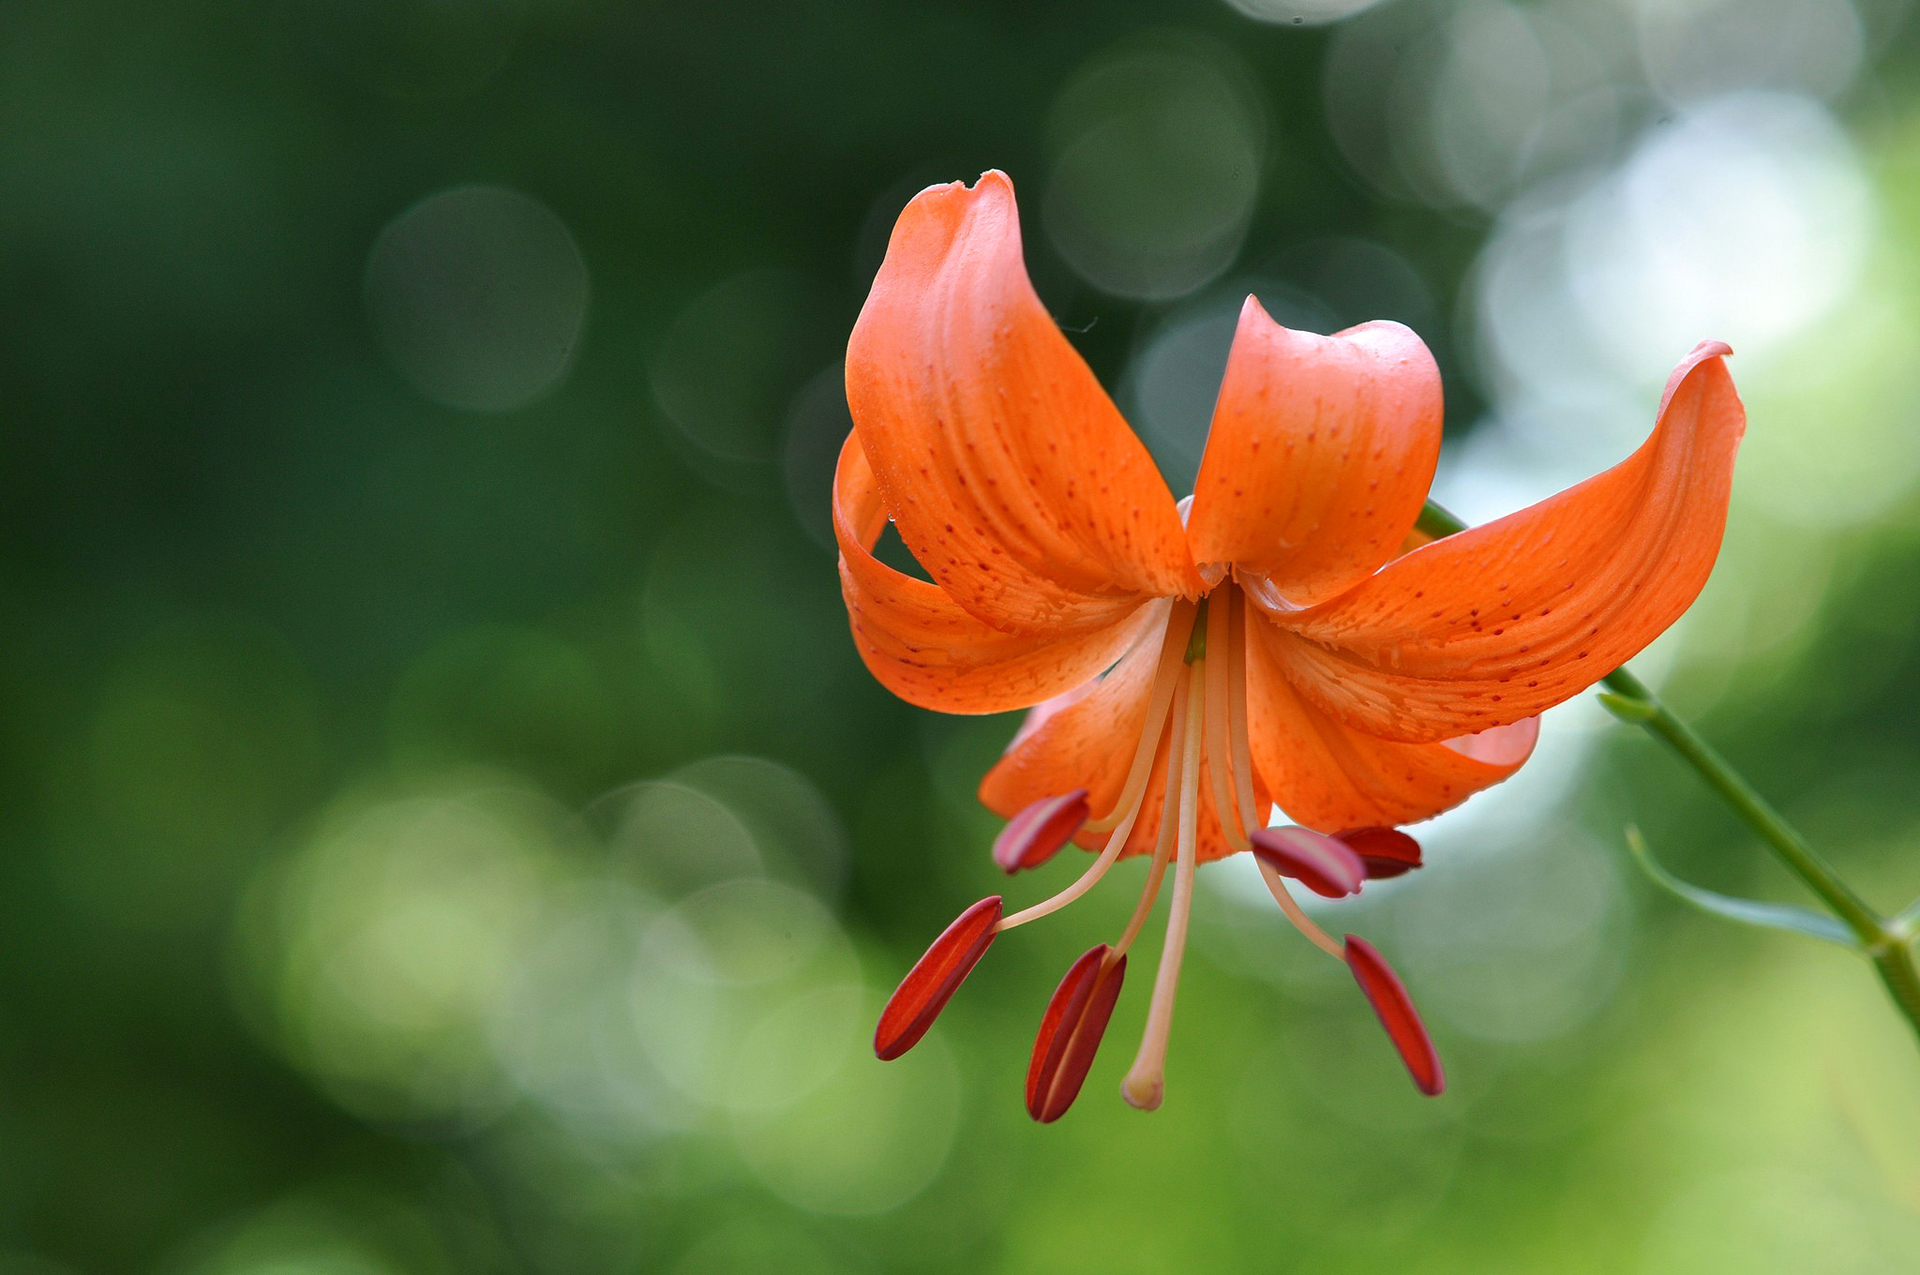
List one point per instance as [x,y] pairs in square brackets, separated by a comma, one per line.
[934,978]
[1319,862]
[1037,833]
[1070,1033]
[1397,1014]
[1386,852]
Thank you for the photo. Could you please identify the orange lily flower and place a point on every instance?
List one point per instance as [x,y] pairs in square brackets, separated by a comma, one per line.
[1284,637]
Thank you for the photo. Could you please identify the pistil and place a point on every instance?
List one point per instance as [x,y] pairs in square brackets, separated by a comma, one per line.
[1219,724]
[1145,1084]
[1242,748]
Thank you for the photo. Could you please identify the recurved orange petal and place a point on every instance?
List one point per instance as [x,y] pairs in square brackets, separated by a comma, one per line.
[931,652]
[1008,471]
[1326,775]
[1496,623]
[1320,456]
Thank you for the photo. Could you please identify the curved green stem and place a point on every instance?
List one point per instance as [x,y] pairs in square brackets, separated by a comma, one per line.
[1754,810]
[1887,943]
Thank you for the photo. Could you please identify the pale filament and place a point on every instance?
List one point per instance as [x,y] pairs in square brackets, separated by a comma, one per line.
[1115,843]
[1251,817]
[1222,655]
[1173,649]
[1146,1079]
[1169,828]
[1301,921]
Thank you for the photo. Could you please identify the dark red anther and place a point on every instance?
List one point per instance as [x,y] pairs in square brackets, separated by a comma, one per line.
[1037,833]
[1386,852]
[1319,862]
[1397,1014]
[934,978]
[1070,1033]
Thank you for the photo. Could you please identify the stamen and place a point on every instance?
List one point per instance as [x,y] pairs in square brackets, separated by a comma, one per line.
[1387,852]
[1118,840]
[934,978]
[1173,647]
[1277,884]
[1323,864]
[1145,1084]
[1251,816]
[1169,828]
[1037,833]
[1397,1014]
[1219,753]
[1070,1032]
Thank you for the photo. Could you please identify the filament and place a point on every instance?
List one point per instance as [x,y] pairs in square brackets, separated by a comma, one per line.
[1146,1079]
[1173,646]
[1251,816]
[1111,853]
[1169,826]
[1301,921]
[1219,751]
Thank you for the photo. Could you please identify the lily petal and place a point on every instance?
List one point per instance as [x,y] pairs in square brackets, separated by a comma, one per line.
[1320,456]
[931,652]
[1008,471]
[1498,622]
[1325,774]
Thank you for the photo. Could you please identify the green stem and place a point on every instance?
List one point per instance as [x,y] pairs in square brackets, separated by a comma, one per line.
[1801,859]
[1886,943]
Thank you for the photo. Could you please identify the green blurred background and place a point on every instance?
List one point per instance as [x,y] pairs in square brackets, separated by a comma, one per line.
[444,826]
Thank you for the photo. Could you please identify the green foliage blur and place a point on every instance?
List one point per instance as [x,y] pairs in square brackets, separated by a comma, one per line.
[445,825]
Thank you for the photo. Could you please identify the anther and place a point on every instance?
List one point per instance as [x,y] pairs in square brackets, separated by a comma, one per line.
[1070,1032]
[1397,1014]
[1037,833]
[1321,863]
[1386,852]
[934,978]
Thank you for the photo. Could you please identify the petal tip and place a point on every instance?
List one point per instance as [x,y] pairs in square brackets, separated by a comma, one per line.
[1701,354]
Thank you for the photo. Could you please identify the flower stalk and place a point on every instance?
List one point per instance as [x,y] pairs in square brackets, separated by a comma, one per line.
[1886,942]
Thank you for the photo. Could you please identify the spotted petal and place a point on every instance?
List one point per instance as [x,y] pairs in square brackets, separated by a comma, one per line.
[1009,472]
[1327,775]
[1496,623]
[1320,455]
[930,651]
